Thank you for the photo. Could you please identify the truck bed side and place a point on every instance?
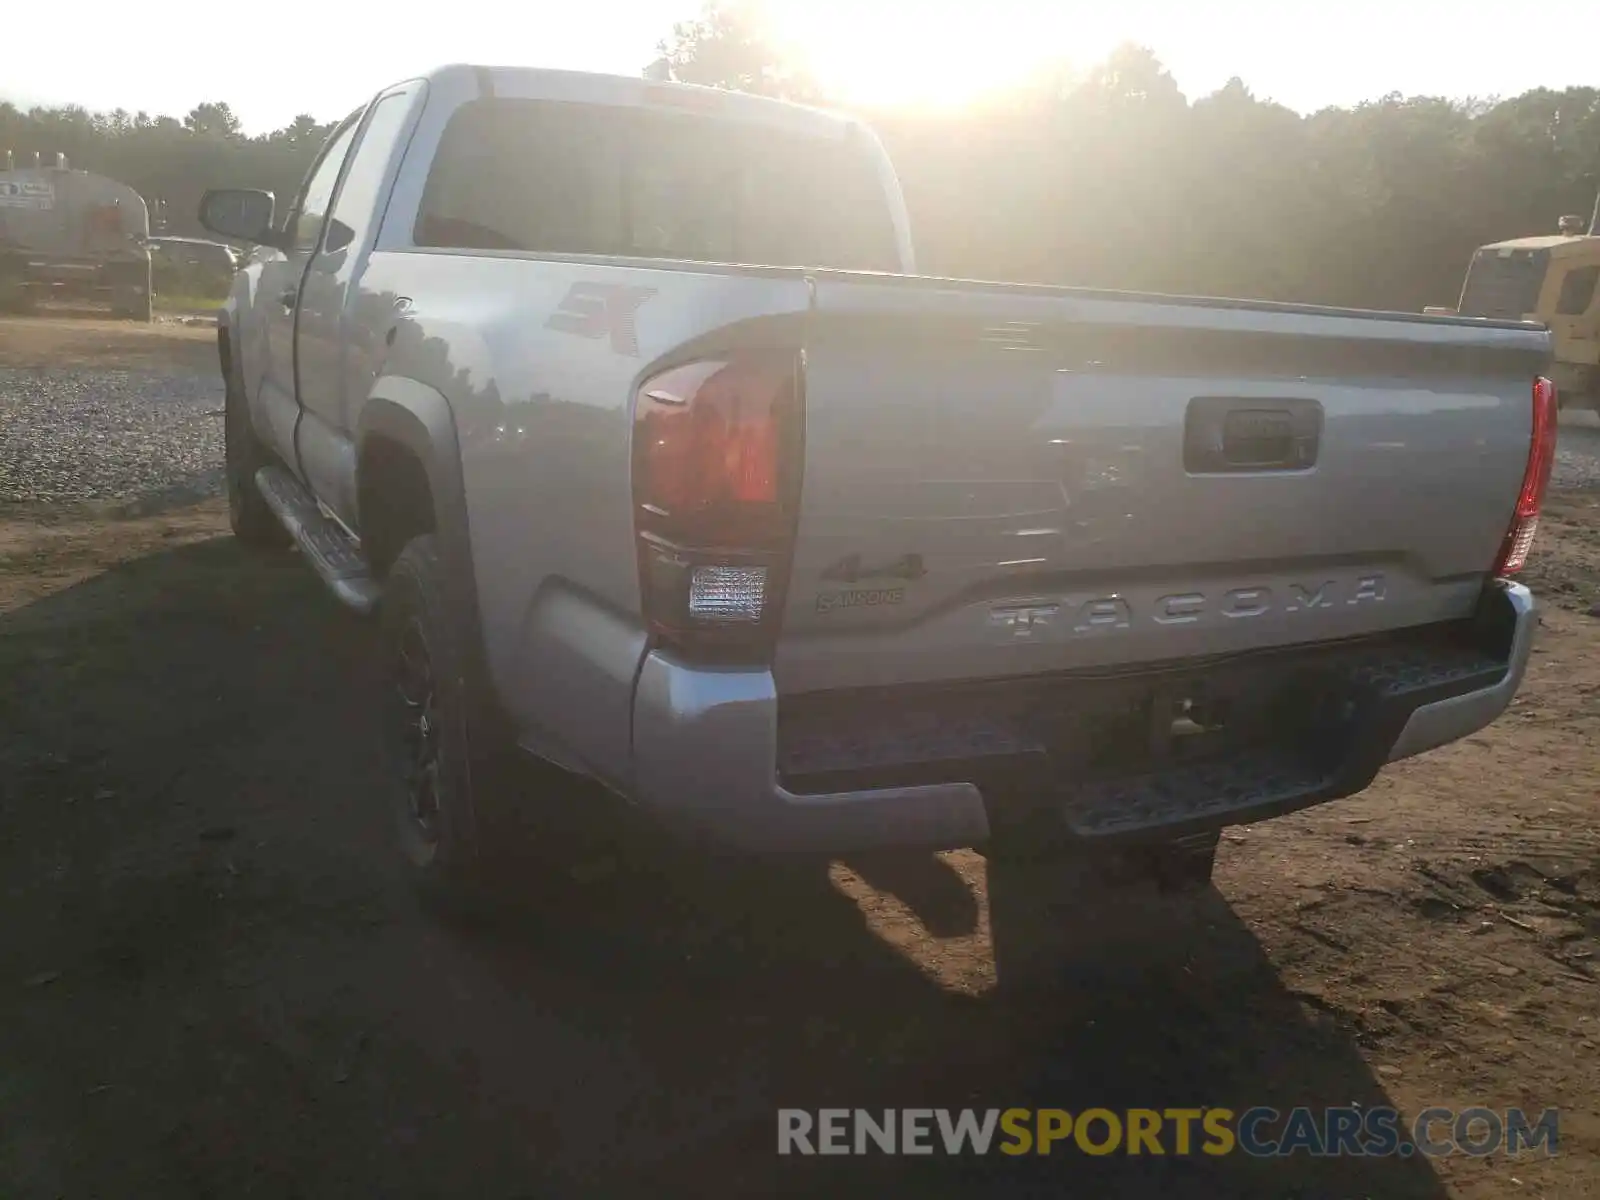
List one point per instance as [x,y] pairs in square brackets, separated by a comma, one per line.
[539,360]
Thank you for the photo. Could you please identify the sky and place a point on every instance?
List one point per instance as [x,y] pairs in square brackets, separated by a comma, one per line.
[275,60]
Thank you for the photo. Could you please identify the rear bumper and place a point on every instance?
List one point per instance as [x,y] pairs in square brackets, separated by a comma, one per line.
[1454,717]
[707,752]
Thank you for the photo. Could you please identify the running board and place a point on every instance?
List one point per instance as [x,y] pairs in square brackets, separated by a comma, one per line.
[334,555]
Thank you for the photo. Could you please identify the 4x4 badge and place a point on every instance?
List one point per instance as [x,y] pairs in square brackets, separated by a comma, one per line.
[849,569]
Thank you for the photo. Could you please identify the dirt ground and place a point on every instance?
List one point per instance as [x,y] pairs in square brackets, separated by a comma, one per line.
[74,341]
[213,982]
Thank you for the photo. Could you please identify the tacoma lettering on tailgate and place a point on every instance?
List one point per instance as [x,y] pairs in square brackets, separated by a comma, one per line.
[1038,619]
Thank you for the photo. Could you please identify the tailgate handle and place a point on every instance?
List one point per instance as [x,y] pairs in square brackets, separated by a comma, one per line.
[1259,437]
[1226,434]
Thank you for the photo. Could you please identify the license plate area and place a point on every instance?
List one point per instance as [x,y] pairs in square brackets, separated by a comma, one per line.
[1114,751]
[1030,736]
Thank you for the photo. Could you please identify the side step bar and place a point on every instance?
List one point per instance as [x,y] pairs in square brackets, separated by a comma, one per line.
[332,552]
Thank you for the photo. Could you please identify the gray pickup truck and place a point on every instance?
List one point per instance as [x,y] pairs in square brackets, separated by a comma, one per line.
[621,405]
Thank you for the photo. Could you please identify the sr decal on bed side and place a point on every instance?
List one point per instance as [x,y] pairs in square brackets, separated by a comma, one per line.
[602,310]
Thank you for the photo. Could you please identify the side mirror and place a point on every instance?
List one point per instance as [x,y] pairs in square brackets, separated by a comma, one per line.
[241,213]
[338,237]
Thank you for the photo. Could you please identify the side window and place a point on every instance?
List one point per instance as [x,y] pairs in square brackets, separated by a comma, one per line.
[311,210]
[1577,291]
[356,208]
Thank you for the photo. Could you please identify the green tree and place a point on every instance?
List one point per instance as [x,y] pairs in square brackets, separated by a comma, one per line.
[730,45]
[212,120]
[1111,177]
[1105,176]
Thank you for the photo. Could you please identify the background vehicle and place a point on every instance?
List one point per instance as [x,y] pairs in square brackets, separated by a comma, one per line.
[70,234]
[819,555]
[196,267]
[1551,280]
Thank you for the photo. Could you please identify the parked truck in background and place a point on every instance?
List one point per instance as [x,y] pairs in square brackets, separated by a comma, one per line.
[72,235]
[621,404]
[1551,280]
[192,267]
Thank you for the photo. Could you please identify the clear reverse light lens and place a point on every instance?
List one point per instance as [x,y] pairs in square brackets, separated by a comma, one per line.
[727,594]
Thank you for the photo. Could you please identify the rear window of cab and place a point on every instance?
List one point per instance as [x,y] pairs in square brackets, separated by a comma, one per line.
[555,177]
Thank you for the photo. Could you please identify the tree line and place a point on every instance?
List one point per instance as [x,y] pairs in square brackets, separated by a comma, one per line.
[164,158]
[1109,177]
[1112,177]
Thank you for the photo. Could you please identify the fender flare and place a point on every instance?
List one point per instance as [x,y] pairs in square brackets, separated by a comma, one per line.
[233,324]
[419,418]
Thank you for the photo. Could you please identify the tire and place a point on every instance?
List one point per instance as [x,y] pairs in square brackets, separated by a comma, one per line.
[253,523]
[444,759]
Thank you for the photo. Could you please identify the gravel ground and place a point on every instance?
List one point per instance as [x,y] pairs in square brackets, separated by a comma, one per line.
[148,437]
[103,436]
[1578,451]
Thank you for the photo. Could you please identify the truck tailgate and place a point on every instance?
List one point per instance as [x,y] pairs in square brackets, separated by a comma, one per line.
[1006,481]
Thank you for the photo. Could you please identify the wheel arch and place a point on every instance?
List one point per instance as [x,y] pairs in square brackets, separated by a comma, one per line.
[404,416]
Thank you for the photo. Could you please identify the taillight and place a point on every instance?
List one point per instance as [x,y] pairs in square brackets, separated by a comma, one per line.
[716,486]
[1541,458]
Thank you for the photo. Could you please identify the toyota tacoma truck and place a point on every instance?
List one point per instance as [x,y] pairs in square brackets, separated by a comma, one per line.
[621,407]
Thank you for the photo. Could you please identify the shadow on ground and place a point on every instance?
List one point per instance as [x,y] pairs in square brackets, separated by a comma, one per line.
[213,983]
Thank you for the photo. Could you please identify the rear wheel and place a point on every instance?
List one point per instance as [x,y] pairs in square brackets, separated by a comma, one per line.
[443,765]
[453,768]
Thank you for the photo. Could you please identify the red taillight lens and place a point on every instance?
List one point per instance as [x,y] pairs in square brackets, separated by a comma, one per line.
[1535,481]
[707,439]
[716,480]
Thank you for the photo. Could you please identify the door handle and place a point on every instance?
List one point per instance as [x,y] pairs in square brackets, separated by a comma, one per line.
[287,298]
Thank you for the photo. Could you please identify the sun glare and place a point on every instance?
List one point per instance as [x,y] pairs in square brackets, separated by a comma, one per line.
[882,55]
